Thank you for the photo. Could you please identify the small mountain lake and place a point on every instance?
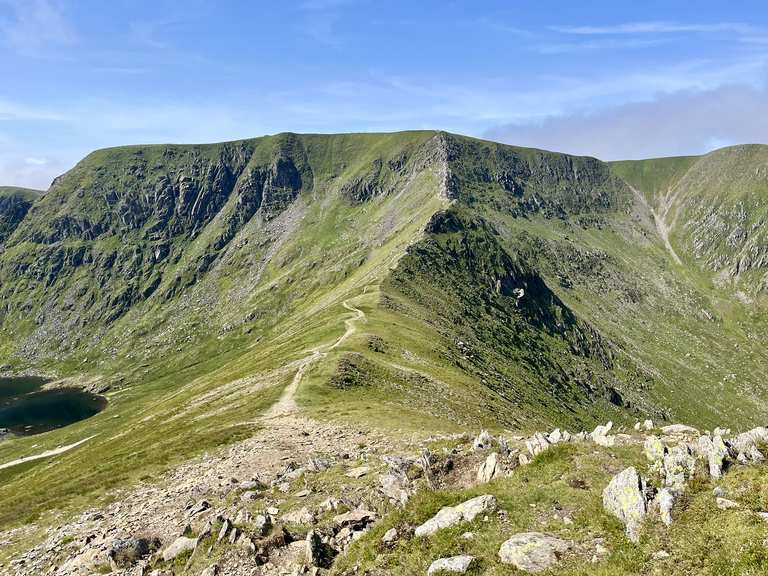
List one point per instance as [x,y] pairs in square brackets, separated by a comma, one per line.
[27,409]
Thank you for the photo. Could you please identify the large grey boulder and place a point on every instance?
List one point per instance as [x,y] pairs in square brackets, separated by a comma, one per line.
[453,565]
[452,515]
[178,547]
[532,551]
[626,498]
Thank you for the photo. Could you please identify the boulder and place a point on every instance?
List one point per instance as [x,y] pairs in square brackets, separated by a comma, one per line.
[178,547]
[489,469]
[648,425]
[301,516]
[126,552]
[626,498]
[355,519]
[358,472]
[318,553]
[714,451]
[453,565]
[262,524]
[665,500]
[537,444]
[725,504]
[532,551]
[600,435]
[452,515]
[654,450]
[678,466]
[396,487]
[390,537]
[679,430]
[483,441]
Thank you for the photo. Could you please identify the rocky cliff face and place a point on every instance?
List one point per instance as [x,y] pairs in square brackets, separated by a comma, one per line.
[14,205]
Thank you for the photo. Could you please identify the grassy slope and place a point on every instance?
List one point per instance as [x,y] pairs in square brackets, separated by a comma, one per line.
[26,193]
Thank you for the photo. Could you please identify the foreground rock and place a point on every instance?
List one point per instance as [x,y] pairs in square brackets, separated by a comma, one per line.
[454,565]
[626,498]
[532,551]
[452,515]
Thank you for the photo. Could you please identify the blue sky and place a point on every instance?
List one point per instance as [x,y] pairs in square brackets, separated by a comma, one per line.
[610,79]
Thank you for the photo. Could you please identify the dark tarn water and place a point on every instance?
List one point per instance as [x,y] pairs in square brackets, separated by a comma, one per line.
[25,409]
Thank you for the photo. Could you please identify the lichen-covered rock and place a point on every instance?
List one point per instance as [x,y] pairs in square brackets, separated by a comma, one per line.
[453,565]
[679,430]
[537,444]
[452,515]
[654,450]
[678,466]
[532,551]
[178,547]
[665,500]
[600,435]
[483,441]
[626,498]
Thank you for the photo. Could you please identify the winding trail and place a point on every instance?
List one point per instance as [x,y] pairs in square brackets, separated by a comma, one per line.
[46,454]
[286,404]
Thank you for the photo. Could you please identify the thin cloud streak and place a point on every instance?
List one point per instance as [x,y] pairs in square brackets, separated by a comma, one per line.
[655,28]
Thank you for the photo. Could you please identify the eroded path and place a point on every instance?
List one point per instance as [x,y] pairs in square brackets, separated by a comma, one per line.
[161,506]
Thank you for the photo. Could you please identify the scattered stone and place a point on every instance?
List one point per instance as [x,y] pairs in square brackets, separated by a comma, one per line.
[532,551]
[648,425]
[358,472]
[355,519]
[178,547]
[273,511]
[317,552]
[396,487]
[660,555]
[680,430]
[666,500]
[262,524]
[125,553]
[600,435]
[390,536]
[725,504]
[301,516]
[654,450]
[452,515]
[537,444]
[718,491]
[303,493]
[490,469]
[454,565]
[483,441]
[199,508]
[625,497]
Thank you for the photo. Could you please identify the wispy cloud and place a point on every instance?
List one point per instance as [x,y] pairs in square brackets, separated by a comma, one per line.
[687,122]
[31,25]
[597,45]
[655,28]
[319,19]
